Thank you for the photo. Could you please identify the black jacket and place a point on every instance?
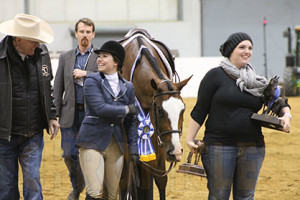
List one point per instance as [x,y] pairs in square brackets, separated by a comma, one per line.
[228,111]
[45,91]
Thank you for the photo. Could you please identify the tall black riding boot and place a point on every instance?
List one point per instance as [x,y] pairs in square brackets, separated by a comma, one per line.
[76,178]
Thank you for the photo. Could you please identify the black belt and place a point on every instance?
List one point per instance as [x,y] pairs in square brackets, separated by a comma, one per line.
[79,106]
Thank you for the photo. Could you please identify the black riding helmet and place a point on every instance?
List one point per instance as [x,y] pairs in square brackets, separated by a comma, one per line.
[115,49]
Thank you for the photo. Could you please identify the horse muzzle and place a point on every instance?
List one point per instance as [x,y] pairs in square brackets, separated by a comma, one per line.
[174,155]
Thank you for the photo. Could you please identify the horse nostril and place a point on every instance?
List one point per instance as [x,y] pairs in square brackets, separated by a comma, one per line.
[170,156]
[170,152]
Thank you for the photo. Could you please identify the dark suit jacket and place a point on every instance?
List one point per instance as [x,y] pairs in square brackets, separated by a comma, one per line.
[105,115]
[64,89]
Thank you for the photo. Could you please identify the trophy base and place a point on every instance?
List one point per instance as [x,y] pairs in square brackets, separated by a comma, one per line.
[268,121]
[188,168]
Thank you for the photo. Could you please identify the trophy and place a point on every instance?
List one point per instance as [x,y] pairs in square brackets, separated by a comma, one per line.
[193,169]
[274,100]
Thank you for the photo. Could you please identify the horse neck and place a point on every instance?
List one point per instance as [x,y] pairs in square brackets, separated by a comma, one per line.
[149,65]
[155,57]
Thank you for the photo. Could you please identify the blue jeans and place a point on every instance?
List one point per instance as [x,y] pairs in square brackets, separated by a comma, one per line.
[27,151]
[70,151]
[232,167]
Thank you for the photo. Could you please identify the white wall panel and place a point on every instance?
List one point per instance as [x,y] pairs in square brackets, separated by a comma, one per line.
[168,10]
[143,10]
[196,67]
[76,9]
[9,8]
[112,10]
[51,11]
[159,17]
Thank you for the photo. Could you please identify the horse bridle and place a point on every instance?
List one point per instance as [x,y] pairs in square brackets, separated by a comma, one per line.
[159,73]
[158,133]
[163,133]
[154,171]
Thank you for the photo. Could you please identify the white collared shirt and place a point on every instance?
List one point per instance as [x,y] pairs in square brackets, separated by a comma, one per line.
[113,80]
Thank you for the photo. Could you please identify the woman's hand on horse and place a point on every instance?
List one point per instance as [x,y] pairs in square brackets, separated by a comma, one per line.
[134,157]
[133,109]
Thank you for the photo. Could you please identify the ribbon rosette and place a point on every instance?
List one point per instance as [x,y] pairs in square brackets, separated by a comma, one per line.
[145,131]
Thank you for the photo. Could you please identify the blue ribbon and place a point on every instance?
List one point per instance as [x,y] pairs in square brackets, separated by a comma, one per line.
[145,131]
[145,128]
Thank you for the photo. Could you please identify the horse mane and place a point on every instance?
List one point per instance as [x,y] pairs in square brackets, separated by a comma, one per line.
[136,31]
[165,50]
[161,108]
[153,63]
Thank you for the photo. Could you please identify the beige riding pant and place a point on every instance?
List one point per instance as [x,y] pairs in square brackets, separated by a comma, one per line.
[102,169]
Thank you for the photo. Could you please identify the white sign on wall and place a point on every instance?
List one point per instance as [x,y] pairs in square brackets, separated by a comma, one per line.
[197,67]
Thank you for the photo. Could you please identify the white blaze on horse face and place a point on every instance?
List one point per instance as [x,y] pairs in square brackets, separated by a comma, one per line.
[174,106]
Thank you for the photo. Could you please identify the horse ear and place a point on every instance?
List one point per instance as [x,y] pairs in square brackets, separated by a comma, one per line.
[181,84]
[153,84]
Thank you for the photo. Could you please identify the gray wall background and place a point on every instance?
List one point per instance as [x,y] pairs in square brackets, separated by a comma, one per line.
[220,18]
[193,28]
[175,22]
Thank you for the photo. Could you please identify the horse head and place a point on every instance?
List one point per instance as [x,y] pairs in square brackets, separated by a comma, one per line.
[274,97]
[150,67]
[167,116]
[270,90]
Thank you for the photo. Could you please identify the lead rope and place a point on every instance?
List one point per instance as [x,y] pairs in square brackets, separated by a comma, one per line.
[155,171]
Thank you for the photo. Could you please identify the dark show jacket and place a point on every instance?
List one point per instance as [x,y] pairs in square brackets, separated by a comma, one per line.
[106,114]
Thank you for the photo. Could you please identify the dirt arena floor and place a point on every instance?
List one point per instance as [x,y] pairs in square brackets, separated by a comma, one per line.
[279,178]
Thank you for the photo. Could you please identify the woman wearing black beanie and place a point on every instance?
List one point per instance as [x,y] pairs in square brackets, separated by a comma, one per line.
[234,144]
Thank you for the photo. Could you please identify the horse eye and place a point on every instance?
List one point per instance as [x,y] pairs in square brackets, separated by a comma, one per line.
[160,112]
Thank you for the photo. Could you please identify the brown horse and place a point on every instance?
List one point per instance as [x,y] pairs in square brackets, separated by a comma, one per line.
[149,65]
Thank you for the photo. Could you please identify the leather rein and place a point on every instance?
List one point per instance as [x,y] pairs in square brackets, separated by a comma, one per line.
[156,120]
[155,171]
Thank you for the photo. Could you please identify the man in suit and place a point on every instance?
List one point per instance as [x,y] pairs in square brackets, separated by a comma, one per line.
[73,67]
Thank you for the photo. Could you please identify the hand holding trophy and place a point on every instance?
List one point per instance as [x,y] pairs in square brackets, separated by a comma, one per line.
[274,100]
[189,167]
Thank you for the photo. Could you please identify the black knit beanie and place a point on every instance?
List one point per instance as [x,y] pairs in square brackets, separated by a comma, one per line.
[232,41]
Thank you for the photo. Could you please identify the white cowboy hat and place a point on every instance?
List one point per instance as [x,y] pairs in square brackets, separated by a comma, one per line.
[28,27]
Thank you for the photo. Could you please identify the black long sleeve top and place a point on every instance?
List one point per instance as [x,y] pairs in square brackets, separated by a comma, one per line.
[228,111]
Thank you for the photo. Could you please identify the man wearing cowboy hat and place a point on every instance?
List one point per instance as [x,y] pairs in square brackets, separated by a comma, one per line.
[73,66]
[26,104]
